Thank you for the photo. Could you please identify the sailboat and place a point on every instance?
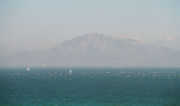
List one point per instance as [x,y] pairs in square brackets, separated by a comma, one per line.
[42,65]
[70,71]
[28,68]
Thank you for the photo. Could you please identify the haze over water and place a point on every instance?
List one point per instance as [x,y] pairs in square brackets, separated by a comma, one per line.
[89,53]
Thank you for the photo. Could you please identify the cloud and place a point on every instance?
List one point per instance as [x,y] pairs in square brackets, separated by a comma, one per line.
[135,36]
[169,38]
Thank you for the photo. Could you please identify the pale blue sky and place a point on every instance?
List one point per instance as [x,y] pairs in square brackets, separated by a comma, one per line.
[40,24]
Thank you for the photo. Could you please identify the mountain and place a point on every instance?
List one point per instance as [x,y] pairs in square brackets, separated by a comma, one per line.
[98,50]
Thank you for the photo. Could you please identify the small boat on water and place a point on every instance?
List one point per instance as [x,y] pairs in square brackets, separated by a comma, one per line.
[42,65]
[28,69]
[70,71]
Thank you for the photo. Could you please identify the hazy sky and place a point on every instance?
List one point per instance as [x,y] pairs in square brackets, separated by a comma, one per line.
[40,24]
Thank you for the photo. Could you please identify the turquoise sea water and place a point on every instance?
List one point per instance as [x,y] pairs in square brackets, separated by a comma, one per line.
[90,87]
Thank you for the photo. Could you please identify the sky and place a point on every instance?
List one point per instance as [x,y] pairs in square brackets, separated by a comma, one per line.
[41,24]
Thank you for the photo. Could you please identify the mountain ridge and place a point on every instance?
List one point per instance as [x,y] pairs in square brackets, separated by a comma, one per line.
[98,50]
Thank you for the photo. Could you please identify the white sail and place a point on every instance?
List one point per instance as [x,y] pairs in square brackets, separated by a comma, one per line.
[70,71]
[42,65]
[28,68]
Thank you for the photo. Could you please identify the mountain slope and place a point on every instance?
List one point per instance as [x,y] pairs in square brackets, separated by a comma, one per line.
[97,50]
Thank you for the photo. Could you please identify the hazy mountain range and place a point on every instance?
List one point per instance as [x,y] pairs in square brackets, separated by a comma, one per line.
[97,50]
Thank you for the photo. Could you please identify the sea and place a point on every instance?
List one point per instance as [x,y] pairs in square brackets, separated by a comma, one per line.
[90,87]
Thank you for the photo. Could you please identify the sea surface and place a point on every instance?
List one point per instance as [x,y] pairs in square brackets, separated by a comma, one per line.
[90,87]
